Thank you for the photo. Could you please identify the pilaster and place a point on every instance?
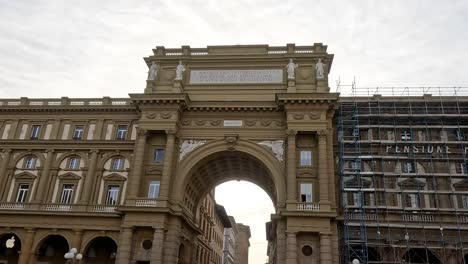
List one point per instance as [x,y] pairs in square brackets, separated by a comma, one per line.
[77,239]
[325,248]
[125,245]
[43,179]
[291,167]
[3,170]
[323,170]
[168,161]
[291,247]
[135,178]
[88,181]
[158,243]
[26,247]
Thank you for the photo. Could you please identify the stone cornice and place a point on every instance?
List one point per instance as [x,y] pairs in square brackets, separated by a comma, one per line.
[305,98]
[165,99]
[233,106]
[65,104]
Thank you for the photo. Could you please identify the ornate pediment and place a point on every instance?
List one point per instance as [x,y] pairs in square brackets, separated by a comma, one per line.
[153,171]
[355,182]
[461,184]
[114,177]
[69,176]
[25,175]
[411,183]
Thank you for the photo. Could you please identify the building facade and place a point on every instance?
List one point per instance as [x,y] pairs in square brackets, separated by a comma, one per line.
[129,180]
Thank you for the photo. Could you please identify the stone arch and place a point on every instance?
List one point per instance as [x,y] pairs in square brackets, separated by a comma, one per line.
[262,156]
[40,157]
[420,256]
[64,156]
[111,155]
[103,254]
[59,245]
[10,254]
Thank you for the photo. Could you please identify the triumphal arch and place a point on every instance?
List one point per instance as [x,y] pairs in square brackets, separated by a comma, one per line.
[247,112]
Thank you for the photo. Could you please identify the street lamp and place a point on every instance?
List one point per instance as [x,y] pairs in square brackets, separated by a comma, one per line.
[72,255]
[356,261]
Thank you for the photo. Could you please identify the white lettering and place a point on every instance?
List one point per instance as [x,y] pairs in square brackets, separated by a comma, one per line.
[236,76]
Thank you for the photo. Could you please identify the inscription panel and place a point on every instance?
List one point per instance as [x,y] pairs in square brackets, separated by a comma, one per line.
[236,76]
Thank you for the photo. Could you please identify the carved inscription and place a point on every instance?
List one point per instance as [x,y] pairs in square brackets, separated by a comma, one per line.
[236,76]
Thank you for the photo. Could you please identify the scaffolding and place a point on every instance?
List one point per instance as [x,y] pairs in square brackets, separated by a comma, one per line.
[403,174]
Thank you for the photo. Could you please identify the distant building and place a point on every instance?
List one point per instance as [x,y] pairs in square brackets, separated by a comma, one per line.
[242,244]
[229,247]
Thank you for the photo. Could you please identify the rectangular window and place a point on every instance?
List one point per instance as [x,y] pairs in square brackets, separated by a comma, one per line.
[22,195]
[357,201]
[35,131]
[30,163]
[112,197]
[412,200]
[465,201]
[406,135]
[117,164]
[121,132]
[355,132]
[306,193]
[158,156]
[153,190]
[74,163]
[67,194]
[463,168]
[460,135]
[306,158]
[408,167]
[78,132]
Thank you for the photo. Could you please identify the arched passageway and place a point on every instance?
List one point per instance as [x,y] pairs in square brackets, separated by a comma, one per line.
[358,252]
[101,250]
[52,250]
[219,167]
[10,248]
[181,255]
[420,256]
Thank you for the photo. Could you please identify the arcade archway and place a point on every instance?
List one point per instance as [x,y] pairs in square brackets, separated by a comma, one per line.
[420,256]
[52,249]
[101,250]
[10,248]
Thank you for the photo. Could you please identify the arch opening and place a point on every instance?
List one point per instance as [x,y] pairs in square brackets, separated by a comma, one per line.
[10,247]
[101,250]
[52,249]
[222,167]
[420,256]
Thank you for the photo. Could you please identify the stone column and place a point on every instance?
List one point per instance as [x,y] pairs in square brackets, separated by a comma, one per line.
[171,246]
[291,248]
[325,248]
[125,245]
[323,167]
[42,186]
[332,184]
[77,239]
[139,154]
[168,162]
[281,242]
[3,170]
[158,243]
[88,181]
[26,247]
[291,166]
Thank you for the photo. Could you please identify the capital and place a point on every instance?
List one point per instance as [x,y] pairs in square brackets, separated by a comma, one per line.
[6,150]
[171,132]
[322,133]
[141,132]
[291,132]
[49,150]
[94,151]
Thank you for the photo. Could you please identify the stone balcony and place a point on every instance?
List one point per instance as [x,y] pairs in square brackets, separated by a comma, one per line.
[92,208]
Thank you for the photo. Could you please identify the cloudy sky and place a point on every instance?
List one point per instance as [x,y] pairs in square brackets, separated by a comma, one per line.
[92,48]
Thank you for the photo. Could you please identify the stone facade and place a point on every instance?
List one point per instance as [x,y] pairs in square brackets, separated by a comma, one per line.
[126,180]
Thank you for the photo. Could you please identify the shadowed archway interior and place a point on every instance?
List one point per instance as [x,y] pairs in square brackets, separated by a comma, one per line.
[222,167]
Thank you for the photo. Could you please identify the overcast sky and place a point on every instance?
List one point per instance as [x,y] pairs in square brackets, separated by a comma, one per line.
[94,48]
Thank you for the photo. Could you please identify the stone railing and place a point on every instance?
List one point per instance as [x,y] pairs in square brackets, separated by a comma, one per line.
[57,207]
[103,208]
[13,206]
[416,217]
[146,202]
[363,216]
[308,207]
[65,101]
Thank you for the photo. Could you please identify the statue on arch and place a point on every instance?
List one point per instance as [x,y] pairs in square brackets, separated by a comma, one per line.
[153,71]
[291,68]
[319,68]
[180,71]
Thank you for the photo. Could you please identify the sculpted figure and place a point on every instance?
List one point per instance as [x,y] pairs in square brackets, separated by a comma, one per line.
[291,66]
[319,69]
[153,71]
[179,71]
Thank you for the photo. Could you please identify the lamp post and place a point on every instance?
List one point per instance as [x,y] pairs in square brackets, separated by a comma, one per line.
[73,256]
